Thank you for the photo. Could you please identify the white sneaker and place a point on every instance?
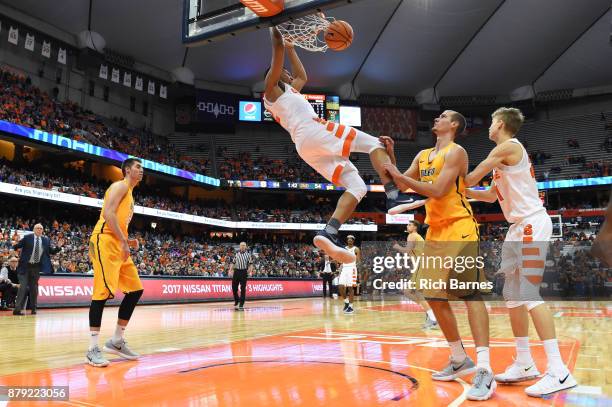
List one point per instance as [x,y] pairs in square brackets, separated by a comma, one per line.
[518,373]
[551,383]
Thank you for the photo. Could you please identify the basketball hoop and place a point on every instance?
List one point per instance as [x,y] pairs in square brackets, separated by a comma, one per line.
[304,32]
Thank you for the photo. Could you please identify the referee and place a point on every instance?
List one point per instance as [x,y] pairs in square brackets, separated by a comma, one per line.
[241,265]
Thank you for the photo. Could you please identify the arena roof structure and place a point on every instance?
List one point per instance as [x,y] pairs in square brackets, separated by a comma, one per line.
[401,47]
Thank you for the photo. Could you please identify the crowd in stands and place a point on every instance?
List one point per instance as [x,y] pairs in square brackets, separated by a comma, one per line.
[179,254]
[538,157]
[396,123]
[292,168]
[73,181]
[163,253]
[25,104]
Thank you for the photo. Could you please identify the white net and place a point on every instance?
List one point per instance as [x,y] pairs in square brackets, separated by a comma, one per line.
[307,32]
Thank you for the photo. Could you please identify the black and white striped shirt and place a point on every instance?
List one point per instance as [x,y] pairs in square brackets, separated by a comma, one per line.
[242,260]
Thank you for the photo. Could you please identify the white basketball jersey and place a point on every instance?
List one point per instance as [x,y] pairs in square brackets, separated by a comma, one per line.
[517,191]
[350,265]
[292,111]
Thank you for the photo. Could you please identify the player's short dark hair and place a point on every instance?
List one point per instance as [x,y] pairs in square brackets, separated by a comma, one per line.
[415,223]
[460,120]
[127,163]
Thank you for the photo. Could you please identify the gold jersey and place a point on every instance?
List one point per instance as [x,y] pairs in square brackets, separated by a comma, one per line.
[125,211]
[454,204]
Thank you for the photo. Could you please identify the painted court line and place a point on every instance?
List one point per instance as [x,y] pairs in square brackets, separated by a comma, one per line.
[592,390]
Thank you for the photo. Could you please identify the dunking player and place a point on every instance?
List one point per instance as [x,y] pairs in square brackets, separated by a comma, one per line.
[348,275]
[523,253]
[109,251]
[414,248]
[324,146]
[438,174]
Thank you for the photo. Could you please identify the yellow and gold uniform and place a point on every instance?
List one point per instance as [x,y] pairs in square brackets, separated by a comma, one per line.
[417,250]
[110,272]
[451,225]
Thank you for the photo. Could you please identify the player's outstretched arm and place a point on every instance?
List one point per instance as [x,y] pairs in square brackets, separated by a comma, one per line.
[496,157]
[276,65]
[489,195]
[297,69]
[455,161]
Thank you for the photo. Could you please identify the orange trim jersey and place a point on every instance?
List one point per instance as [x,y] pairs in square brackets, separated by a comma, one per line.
[125,211]
[454,205]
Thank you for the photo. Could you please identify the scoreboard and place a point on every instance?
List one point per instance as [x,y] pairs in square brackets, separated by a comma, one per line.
[316,101]
[318,104]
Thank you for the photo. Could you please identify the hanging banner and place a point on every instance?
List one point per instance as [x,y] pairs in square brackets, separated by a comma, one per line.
[115,75]
[138,83]
[127,79]
[151,88]
[103,71]
[46,49]
[29,42]
[163,92]
[13,37]
[61,56]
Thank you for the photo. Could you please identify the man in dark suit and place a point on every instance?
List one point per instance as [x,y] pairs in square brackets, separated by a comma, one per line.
[327,269]
[35,258]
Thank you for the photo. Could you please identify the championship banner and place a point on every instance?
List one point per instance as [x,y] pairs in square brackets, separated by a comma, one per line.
[57,291]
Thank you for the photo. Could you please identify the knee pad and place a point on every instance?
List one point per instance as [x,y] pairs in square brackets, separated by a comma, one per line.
[95,313]
[128,304]
[364,143]
[532,304]
[514,304]
[353,183]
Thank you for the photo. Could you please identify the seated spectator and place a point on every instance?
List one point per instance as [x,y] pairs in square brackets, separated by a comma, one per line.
[9,283]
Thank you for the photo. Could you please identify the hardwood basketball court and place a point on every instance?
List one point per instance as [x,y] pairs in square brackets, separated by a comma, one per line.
[289,352]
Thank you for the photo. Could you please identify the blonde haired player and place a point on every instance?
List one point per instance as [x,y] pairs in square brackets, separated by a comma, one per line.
[438,173]
[324,146]
[523,253]
[109,252]
[348,276]
[414,247]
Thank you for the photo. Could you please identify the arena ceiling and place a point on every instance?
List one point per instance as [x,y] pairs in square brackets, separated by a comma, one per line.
[460,47]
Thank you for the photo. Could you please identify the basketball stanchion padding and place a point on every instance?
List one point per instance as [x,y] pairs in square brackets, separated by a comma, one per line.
[265,8]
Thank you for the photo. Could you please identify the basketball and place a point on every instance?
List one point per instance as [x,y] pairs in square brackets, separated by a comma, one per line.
[339,35]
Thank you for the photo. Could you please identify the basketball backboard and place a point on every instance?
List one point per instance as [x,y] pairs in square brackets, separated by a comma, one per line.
[208,20]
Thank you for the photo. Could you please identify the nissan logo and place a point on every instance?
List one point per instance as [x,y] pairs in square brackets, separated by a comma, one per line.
[216,109]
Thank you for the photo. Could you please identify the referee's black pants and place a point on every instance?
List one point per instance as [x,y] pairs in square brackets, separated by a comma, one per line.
[239,278]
